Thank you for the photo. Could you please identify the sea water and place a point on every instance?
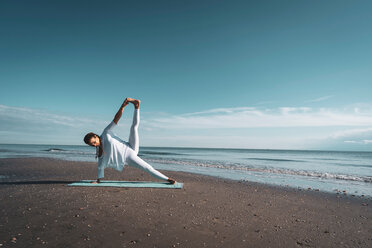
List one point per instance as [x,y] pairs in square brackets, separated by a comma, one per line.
[329,171]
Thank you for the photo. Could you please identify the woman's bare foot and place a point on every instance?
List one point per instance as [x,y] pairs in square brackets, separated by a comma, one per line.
[171,181]
[135,102]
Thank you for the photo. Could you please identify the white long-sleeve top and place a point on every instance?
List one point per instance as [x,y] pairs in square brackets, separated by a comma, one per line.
[114,151]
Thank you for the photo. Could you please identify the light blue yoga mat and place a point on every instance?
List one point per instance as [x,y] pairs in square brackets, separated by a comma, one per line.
[128,184]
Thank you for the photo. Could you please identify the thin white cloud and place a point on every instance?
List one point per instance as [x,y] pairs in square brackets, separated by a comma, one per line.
[223,141]
[42,117]
[351,132]
[248,117]
[355,137]
[219,110]
[363,142]
[320,99]
[27,125]
[241,117]
[350,141]
[203,128]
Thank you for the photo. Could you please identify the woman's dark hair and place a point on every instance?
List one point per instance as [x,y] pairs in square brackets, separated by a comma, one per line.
[87,140]
[88,137]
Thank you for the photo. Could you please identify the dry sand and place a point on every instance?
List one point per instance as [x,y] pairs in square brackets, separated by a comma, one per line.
[39,210]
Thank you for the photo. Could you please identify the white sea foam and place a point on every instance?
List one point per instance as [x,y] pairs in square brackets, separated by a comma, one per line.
[305,173]
[62,151]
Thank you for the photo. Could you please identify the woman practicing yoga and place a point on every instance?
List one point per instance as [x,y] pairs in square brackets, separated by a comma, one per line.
[116,153]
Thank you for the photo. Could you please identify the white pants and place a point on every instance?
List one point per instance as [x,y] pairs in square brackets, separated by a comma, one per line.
[132,158]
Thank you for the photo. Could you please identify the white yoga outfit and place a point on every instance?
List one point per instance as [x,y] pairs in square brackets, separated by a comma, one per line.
[117,153]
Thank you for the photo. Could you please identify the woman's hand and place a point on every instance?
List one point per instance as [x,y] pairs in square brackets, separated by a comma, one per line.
[120,111]
[125,103]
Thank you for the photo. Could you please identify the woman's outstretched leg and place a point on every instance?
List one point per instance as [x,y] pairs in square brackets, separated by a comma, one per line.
[133,160]
[133,135]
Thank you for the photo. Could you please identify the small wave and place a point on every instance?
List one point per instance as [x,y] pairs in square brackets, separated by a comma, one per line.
[365,179]
[314,174]
[58,150]
[276,159]
[54,150]
[159,153]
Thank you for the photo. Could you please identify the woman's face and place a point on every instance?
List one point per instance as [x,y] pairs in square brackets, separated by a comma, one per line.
[94,141]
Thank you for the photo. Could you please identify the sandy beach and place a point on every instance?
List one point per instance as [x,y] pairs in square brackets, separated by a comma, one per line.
[38,209]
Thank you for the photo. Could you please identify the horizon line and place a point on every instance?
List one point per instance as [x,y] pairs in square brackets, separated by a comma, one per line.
[216,148]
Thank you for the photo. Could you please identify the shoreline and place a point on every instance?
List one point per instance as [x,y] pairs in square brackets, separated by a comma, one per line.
[338,193]
[300,169]
[209,211]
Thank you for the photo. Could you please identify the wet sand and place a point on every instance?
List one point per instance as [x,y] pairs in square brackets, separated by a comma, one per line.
[39,210]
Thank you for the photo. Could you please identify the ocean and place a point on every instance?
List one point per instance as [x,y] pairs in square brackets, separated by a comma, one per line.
[328,171]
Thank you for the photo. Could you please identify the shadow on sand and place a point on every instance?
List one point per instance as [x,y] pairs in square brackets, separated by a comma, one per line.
[36,182]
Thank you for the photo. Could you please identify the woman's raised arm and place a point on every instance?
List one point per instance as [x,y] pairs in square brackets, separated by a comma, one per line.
[120,111]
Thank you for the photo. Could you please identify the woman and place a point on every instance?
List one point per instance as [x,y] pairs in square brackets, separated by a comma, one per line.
[116,153]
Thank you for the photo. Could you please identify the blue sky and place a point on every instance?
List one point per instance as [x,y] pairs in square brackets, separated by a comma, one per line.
[247,74]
